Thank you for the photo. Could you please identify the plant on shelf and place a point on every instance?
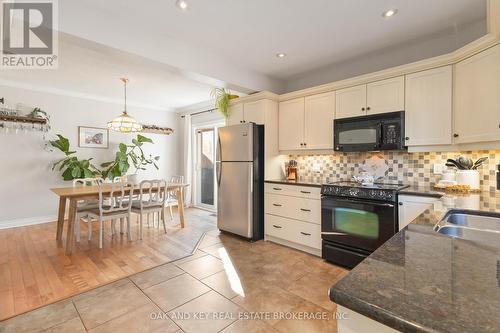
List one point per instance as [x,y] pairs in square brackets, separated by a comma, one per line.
[72,166]
[222,98]
[39,113]
[127,155]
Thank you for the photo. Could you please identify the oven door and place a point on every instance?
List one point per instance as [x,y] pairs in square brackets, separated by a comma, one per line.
[356,134]
[361,224]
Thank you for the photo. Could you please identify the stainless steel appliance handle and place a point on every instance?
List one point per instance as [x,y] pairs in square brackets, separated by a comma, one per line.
[218,166]
[351,200]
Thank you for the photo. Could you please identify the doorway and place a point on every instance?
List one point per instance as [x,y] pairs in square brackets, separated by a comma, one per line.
[205,193]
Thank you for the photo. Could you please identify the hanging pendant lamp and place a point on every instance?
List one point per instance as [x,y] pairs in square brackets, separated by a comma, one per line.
[125,123]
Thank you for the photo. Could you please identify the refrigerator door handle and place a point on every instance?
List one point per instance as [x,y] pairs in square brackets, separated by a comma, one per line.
[251,180]
[218,152]
[218,166]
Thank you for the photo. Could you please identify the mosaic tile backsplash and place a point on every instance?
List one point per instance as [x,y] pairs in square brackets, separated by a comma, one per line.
[410,168]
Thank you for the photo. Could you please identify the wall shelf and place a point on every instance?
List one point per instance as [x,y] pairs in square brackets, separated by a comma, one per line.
[156,130]
[23,119]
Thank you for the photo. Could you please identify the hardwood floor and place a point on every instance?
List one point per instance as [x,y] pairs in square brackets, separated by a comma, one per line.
[34,270]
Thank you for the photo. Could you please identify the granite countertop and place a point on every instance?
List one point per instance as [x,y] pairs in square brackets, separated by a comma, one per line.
[423,281]
[420,190]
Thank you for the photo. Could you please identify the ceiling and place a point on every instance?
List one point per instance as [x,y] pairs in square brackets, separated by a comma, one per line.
[175,57]
[312,33]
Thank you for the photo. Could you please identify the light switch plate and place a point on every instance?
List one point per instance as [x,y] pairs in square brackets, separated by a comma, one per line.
[438,169]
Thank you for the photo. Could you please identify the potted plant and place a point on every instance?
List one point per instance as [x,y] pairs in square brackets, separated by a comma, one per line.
[222,98]
[127,155]
[70,165]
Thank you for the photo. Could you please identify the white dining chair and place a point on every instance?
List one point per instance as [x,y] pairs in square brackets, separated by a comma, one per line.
[121,198]
[85,204]
[172,195]
[152,198]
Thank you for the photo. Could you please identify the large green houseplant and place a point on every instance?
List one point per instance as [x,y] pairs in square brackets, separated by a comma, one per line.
[70,165]
[127,155]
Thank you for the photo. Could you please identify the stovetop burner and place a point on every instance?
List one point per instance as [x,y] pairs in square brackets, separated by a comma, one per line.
[350,189]
[382,186]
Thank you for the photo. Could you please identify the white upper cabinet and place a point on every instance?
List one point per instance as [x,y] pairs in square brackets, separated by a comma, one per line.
[385,96]
[318,121]
[477,97]
[376,97]
[428,116]
[235,115]
[350,102]
[255,112]
[291,124]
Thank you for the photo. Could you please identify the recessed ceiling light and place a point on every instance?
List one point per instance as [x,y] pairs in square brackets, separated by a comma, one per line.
[280,55]
[182,4]
[389,13]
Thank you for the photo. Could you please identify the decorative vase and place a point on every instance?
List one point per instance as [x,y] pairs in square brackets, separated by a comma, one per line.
[468,177]
[133,179]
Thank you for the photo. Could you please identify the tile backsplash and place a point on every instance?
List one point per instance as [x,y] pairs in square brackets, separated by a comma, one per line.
[411,168]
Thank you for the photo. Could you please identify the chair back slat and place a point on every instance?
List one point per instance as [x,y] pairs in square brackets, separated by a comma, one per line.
[120,196]
[152,193]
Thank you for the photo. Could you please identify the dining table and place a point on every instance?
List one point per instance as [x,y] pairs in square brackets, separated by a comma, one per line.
[78,193]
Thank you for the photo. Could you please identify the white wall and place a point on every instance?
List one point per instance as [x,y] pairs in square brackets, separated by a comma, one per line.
[25,167]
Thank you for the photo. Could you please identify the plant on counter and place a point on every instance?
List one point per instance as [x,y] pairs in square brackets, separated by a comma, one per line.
[222,98]
[129,153]
[463,163]
[72,166]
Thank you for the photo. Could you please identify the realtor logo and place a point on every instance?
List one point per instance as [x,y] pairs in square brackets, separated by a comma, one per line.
[29,34]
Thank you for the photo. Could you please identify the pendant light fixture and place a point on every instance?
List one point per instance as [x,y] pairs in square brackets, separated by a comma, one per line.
[125,123]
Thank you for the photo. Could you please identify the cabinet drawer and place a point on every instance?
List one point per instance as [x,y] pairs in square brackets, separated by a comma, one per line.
[294,190]
[308,210]
[303,233]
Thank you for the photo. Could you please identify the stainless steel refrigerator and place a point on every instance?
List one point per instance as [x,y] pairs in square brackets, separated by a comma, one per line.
[240,180]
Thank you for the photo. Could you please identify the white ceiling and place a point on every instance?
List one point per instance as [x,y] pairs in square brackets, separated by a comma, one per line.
[175,57]
[313,33]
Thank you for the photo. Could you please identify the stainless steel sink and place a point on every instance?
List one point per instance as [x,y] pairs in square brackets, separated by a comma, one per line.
[471,225]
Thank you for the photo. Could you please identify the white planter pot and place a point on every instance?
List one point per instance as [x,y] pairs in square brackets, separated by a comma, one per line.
[468,177]
[133,179]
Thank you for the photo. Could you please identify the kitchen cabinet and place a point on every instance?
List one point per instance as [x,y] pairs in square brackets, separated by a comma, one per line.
[247,112]
[307,123]
[428,109]
[411,206]
[477,98]
[350,102]
[318,121]
[376,97]
[385,96]
[235,115]
[293,216]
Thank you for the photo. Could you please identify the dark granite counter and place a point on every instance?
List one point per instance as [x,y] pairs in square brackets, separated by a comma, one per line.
[427,191]
[423,281]
[314,182]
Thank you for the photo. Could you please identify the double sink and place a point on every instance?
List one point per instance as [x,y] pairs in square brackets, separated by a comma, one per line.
[470,225]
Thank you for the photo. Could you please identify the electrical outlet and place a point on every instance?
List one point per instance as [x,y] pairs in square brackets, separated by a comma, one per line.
[438,169]
[316,167]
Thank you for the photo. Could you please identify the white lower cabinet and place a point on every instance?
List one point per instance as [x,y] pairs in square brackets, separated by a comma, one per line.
[411,206]
[293,216]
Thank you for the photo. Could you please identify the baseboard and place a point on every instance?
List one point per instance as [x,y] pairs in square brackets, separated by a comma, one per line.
[14,223]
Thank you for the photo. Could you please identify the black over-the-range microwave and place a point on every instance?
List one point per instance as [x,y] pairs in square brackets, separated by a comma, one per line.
[383,131]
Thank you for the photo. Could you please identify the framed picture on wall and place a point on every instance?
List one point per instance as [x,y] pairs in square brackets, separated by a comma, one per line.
[93,137]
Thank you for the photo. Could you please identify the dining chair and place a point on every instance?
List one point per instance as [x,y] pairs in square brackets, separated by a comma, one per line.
[120,196]
[85,204]
[172,195]
[152,197]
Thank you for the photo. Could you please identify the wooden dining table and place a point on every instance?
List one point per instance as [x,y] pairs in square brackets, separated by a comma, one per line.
[75,194]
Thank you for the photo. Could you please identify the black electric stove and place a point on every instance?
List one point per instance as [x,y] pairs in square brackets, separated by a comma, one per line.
[357,219]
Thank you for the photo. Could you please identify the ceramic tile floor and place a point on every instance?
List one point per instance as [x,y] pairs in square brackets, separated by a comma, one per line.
[228,285]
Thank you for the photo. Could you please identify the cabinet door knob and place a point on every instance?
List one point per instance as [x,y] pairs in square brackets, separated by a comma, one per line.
[401,204]
[305,143]
[368,108]
[455,135]
[362,109]
[407,138]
